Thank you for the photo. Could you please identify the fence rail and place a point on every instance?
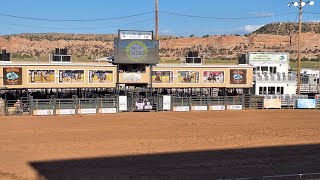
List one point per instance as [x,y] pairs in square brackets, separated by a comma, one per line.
[302,176]
[131,103]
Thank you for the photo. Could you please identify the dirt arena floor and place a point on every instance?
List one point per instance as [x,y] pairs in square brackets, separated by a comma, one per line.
[164,145]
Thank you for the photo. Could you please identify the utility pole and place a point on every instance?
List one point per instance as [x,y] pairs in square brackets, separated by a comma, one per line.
[157,20]
[300,4]
[299,49]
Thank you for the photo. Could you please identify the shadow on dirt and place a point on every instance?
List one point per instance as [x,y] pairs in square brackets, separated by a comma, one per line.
[201,165]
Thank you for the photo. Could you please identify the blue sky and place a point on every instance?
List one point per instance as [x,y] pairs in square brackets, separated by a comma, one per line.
[236,12]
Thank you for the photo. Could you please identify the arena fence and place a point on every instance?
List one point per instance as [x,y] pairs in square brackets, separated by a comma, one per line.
[304,176]
[136,102]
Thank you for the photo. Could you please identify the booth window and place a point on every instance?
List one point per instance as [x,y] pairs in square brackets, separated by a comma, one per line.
[264,68]
[273,70]
[279,90]
[271,90]
[262,90]
[132,68]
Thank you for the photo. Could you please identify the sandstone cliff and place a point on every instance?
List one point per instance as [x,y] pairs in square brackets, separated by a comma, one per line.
[272,37]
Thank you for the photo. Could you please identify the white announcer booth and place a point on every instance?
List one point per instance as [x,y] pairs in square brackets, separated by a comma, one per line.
[271,73]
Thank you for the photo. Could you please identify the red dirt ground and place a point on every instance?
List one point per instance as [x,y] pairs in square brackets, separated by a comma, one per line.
[28,139]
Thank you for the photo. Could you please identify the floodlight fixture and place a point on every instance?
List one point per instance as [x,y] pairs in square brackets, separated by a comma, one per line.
[311,3]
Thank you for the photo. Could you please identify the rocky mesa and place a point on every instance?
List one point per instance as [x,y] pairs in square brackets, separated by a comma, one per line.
[271,37]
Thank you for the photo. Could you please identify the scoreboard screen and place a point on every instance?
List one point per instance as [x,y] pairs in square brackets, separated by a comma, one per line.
[141,51]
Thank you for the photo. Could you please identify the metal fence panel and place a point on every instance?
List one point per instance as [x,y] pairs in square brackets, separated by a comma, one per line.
[138,102]
[13,107]
[87,103]
[107,102]
[65,104]
[180,101]
[199,101]
[216,101]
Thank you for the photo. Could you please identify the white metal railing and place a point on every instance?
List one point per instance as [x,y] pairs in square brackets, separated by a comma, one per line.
[274,77]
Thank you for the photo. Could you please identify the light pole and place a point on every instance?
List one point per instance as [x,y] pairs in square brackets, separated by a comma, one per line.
[157,20]
[300,4]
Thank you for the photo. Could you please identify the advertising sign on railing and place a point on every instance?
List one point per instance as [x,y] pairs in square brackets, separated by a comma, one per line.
[214,77]
[234,107]
[166,102]
[238,76]
[123,103]
[188,76]
[272,103]
[100,76]
[199,108]
[41,76]
[131,77]
[217,107]
[71,76]
[12,76]
[143,104]
[181,108]
[65,111]
[306,103]
[162,76]
[87,111]
[43,112]
[262,56]
[108,110]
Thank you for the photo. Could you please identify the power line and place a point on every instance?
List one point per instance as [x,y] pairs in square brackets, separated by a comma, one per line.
[43,27]
[225,18]
[310,12]
[140,14]
[75,20]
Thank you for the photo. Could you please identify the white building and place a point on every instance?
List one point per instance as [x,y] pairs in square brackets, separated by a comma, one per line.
[310,82]
[271,73]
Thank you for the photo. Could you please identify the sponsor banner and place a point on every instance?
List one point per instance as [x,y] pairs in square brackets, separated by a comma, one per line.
[65,111]
[268,57]
[188,76]
[166,103]
[143,104]
[238,76]
[162,76]
[12,76]
[87,111]
[234,107]
[199,108]
[272,103]
[108,110]
[136,36]
[306,103]
[100,76]
[41,76]
[43,112]
[123,103]
[71,76]
[181,108]
[217,108]
[131,77]
[214,77]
